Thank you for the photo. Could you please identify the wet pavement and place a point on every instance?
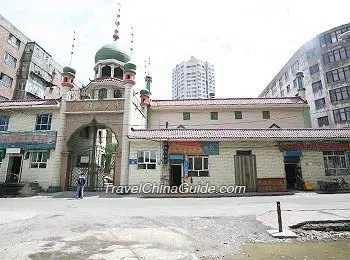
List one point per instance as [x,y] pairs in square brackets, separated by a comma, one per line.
[45,227]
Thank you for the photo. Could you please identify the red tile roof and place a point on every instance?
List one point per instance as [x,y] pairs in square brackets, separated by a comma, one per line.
[29,103]
[228,102]
[294,134]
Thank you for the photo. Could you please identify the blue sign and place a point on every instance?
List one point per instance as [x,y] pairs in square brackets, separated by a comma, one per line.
[185,167]
[210,148]
[132,161]
[28,140]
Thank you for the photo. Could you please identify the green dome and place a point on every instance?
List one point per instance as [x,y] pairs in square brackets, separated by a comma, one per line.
[69,70]
[130,66]
[111,51]
[144,92]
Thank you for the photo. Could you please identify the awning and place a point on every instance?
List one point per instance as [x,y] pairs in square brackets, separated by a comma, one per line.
[176,158]
[292,153]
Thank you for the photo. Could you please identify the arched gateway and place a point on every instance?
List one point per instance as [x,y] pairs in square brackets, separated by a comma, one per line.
[98,118]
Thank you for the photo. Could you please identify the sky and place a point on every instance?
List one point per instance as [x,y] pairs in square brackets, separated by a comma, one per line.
[247,41]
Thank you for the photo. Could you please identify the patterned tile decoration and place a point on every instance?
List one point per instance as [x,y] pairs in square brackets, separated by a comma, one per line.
[239,134]
[29,103]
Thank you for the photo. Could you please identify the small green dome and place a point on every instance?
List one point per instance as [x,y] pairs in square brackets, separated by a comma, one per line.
[111,51]
[130,66]
[144,92]
[69,70]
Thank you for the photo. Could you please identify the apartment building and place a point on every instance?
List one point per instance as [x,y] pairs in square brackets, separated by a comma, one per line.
[325,64]
[193,79]
[12,45]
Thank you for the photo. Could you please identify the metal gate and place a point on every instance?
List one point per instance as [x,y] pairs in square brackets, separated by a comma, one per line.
[245,172]
[97,174]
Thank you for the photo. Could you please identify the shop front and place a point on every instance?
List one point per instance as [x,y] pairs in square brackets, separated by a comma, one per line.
[22,153]
[189,160]
[314,161]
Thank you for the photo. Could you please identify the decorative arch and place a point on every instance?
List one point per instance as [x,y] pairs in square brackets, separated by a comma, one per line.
[118,73]
[106,71]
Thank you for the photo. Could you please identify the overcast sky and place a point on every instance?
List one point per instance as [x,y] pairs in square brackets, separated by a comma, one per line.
[247,41]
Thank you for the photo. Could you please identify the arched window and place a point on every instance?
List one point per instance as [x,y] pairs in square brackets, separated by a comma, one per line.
[106,71]
[102,93]
[117,93]
[128,76]
[65,79]
[118,73]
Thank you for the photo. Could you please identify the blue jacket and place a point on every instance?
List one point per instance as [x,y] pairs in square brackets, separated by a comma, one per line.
[81,180]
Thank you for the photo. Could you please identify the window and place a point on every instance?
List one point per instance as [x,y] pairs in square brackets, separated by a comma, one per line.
[10,60]
[102,93]
[3,98]
[186,116]
[266,114]
[320,103]
[39,159]
[311,54]
[14,41]
[323,121]
[317,87]
[336,55]
[43,122]
[146,159]
[288,88]
[214,115]
[282,93]
[238,115]
[295,67]
[5,80]
[314,69]
[286,76]
[117,93]
[340,94]
[244,152]
[336,163]
[198,166]
[274,89]
[295,83]
[342,114]
[338,74]
[280,82]
[4,123]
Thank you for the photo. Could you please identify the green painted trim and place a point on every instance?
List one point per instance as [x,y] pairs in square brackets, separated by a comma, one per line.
[307,117]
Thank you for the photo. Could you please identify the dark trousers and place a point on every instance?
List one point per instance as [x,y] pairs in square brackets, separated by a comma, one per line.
[80,191]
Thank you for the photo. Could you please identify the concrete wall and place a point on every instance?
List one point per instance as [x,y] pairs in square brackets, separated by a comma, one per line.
[251,118]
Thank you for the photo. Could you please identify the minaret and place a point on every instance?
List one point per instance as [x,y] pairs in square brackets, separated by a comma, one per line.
[146,92]
[130,67]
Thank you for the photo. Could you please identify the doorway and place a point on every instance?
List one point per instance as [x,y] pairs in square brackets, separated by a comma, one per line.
[293,176]
[14,169]
[245,170]
[175,175]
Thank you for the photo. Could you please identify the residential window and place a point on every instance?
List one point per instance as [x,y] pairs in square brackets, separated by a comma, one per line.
[43,122]
[10,60]
[266,114]
[311,54]
[317,87]
[39,159]
[198,166]
[341,115]
[288,88]
[214,116]
[338,74]
[314,69]
[295,83]
[5,80]
[336,55]
[274,89]
[280,82]
[282,93]
[336,163]
[295,67]
[14,41]
[320,103]
[146,159]
[4,123]
[186,116]
[339,94]
[323,121]
[238,115]
[286,76]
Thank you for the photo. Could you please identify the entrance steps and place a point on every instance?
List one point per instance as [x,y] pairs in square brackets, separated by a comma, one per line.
[22,189]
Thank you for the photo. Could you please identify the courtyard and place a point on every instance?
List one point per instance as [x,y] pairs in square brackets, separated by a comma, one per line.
[127,227]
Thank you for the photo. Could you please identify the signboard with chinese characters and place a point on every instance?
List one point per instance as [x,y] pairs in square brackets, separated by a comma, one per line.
[315,146]
[95,105]
[28,140]
[194,148]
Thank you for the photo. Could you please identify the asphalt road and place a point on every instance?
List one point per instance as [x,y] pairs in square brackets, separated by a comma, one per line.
[44,227]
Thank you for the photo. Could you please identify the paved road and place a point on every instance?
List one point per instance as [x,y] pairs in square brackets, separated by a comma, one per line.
[44,227]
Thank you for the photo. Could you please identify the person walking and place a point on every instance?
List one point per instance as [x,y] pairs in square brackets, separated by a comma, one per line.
[80,185]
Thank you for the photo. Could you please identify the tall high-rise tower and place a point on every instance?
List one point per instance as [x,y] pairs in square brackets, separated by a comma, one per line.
[193,79]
